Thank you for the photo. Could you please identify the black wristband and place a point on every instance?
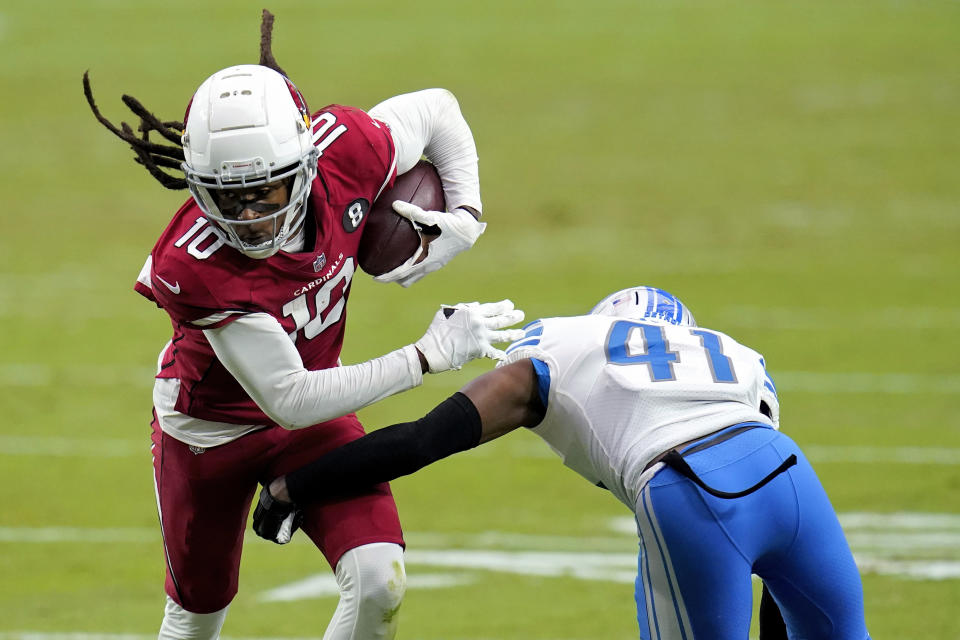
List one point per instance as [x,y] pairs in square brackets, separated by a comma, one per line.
[453,425]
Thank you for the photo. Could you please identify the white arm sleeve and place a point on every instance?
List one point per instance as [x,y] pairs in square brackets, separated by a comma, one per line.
[429,123]
[257,352]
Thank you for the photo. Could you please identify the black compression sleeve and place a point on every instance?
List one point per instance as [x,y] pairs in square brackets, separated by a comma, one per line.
[388,453]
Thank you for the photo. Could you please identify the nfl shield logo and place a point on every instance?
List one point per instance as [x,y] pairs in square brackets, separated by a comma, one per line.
[319,262]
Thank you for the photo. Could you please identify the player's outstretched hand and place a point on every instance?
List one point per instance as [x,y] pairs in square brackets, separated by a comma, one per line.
[463,332]
[274,520]
[459,230]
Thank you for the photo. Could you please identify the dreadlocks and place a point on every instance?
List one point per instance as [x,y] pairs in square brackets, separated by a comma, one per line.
[266,44]
[153,155]
[150,154]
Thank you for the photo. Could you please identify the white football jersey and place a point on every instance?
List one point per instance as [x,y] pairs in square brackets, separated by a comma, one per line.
[619,392]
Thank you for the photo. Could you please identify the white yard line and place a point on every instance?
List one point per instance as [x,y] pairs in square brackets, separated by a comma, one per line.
[480,539]
[912,570]
[910,545]
[324,585]
[608,567]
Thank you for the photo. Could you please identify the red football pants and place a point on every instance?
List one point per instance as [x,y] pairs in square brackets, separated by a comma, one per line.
[204,501]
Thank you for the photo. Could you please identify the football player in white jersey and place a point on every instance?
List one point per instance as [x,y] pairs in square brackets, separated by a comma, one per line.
[681,424]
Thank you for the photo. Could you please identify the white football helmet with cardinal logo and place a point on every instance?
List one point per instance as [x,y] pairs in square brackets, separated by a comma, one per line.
[248,126]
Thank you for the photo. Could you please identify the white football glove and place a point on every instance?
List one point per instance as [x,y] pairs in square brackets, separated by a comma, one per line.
[464,332]
[458,232]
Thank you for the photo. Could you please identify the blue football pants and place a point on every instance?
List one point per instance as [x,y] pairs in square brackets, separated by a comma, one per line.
[697,551]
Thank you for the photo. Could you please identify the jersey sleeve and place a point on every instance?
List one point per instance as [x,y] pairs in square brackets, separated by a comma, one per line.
[144,286]
[430,123]
[185,295]
[262,358]
[356,150]
[528,346]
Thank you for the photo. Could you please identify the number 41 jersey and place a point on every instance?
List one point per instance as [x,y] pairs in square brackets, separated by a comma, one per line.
[619,392]
[203,283]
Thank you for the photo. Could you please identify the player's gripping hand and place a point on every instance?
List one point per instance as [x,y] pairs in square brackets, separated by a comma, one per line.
[459,230]
[464,332]
[274,520]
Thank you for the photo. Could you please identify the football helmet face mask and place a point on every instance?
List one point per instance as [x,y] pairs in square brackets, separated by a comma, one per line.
[645,303]
[248,126]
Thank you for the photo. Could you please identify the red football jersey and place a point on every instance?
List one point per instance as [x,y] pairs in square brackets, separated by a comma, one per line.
[202,283]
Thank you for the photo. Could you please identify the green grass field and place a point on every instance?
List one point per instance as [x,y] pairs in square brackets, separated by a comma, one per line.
[790,170]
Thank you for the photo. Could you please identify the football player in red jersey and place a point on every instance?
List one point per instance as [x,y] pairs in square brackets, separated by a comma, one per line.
[254,271]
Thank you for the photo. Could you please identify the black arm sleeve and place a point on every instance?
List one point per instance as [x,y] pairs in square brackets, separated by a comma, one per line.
[388,453]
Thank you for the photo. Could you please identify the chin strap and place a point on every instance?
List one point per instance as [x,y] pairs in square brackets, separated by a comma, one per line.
[295,243]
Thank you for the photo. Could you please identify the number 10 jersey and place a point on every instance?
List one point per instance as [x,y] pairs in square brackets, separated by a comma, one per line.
[204,284]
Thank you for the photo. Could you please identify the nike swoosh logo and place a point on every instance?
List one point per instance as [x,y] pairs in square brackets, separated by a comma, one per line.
[175,288]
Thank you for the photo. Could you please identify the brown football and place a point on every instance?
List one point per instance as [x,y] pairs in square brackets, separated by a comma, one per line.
[389,239]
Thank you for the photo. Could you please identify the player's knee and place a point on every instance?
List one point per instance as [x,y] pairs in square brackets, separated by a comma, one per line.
[375,576]
[385,593]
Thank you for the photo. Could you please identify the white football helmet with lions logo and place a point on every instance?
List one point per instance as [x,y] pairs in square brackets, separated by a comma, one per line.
[645,303]
[249,126]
